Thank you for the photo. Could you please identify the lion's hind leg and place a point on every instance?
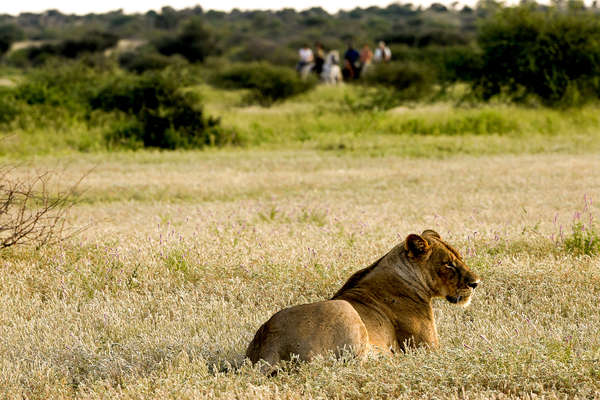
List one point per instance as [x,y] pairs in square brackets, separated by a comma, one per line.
[261,347]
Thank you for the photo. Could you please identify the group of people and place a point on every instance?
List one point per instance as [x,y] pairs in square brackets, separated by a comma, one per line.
[327,65]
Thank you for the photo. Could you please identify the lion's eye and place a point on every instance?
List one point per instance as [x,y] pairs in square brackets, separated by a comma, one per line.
[450,265]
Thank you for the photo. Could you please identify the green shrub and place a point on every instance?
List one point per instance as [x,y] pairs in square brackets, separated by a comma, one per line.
[150,110]
[56,98]
[88,43]
[268,83]
[258,49]
[426,37]
[411,80]
[458,63]
[9,33]
[369,98]
[126,134]
[552,54]
[450,63]
[195,42]
[8,106]
[61,84]
[143,61]
[164,116]
[17,59]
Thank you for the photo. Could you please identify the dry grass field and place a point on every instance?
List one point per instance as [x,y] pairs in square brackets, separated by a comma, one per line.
[184,255]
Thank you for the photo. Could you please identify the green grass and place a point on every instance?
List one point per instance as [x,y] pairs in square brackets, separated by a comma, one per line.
[584,237]
[322,112]
[322,119]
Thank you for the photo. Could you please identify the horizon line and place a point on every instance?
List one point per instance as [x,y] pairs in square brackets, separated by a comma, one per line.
[451,5]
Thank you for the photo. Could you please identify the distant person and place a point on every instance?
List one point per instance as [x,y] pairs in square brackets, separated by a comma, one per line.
[366,57]
[351,63]
[382,53]
[319,58]
[306,60]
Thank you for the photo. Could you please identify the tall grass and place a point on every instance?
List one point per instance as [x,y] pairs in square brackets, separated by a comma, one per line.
[321,119]
[186,254]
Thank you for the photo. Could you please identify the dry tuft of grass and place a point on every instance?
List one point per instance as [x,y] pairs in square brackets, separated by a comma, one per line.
[186,254]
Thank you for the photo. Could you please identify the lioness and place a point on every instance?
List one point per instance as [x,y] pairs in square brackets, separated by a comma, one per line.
[383,307]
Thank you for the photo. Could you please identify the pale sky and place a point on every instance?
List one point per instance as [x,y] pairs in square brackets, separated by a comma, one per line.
[15,7]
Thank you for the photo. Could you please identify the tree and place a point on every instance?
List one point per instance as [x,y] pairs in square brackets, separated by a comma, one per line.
[9,33]
[195,42]
[545,53]
[167,19]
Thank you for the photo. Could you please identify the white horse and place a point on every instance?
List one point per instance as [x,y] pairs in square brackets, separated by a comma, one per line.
[332,73]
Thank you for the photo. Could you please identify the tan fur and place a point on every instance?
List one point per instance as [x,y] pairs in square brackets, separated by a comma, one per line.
[384,307]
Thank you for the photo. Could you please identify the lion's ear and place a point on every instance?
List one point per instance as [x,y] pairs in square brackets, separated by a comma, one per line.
[431,232]
[416,245]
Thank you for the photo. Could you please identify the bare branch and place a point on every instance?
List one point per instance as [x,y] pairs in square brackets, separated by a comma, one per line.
[30,212]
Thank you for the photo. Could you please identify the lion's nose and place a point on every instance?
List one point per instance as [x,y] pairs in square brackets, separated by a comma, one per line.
[473,284]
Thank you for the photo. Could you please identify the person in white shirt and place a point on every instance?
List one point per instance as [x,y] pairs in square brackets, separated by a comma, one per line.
[306,57]
[382,53]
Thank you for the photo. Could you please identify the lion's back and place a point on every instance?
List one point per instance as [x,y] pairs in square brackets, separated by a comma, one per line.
[307,330]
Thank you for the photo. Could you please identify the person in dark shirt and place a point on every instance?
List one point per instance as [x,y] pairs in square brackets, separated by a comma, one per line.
[351,63]
[319,58]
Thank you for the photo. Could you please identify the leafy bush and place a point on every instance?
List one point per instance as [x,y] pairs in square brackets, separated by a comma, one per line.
[268,83]
[90,42]
[195,42]
[63,84]
[366,98]
[458,63]
[257,49]
[427,37]
[143,61]
[387,86]
[9,33]
[18,59]
[411,80]
[55,98]
[38,56]
[450,63]
[552,54]
[165,117]
[8,106]
[149,110]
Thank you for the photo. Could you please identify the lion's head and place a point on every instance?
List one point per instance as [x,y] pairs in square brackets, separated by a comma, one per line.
[449,275]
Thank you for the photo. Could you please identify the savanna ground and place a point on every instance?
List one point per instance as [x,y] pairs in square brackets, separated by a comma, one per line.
[185,254]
